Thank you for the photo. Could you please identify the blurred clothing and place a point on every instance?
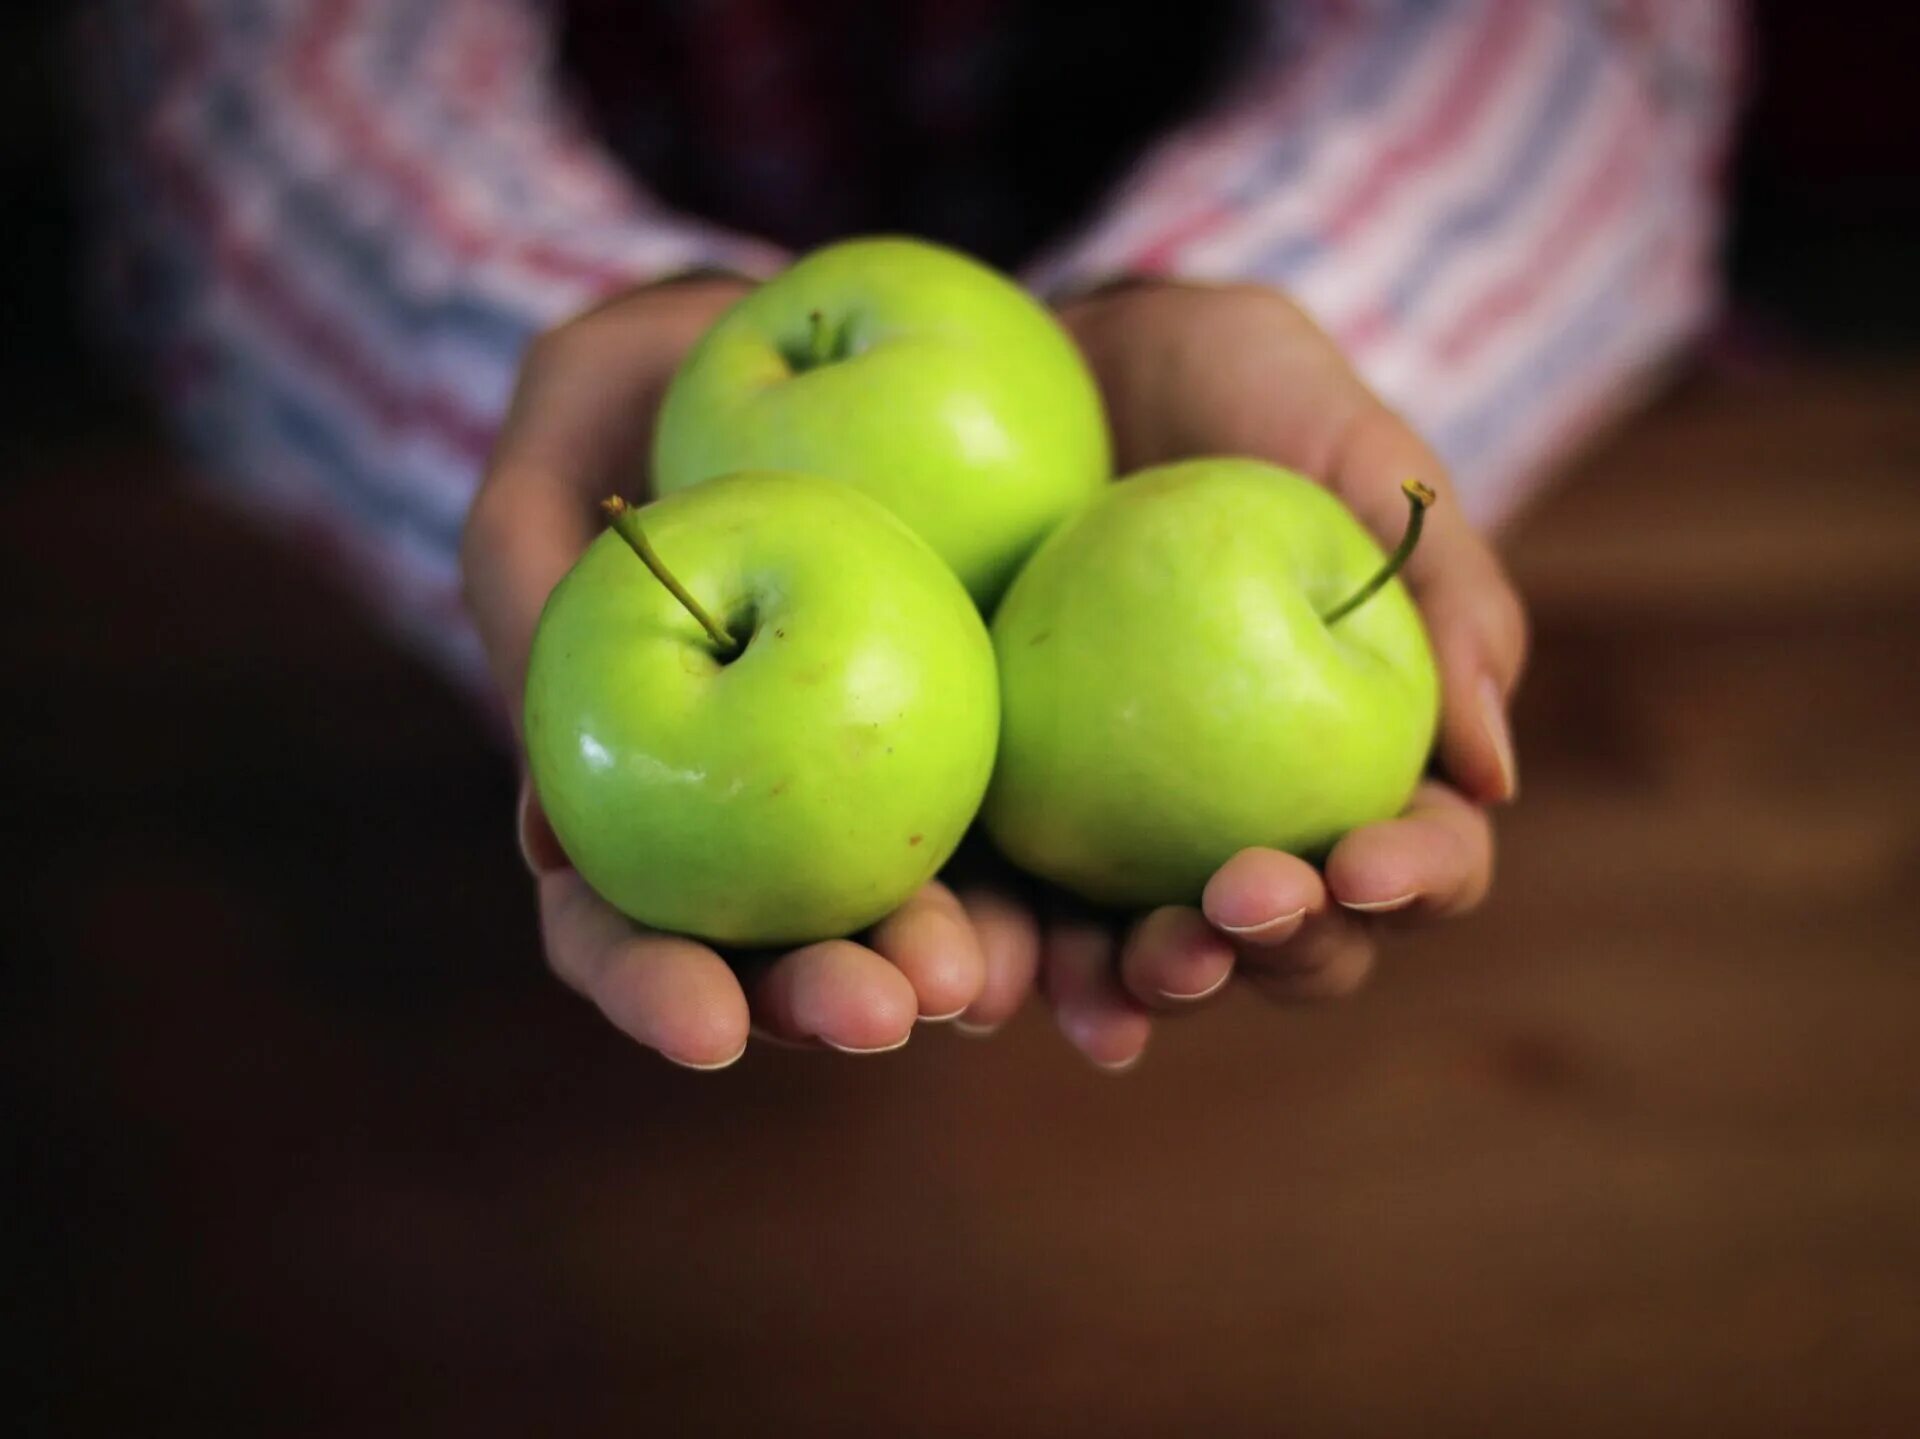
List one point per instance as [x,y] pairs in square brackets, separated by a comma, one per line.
[330,227]
[990,124]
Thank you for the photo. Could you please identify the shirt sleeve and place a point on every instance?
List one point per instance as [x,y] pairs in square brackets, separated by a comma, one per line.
[1507,212]
[327,230]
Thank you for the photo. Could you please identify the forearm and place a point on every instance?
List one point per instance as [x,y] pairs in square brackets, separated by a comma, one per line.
[328,248]
[1505,214]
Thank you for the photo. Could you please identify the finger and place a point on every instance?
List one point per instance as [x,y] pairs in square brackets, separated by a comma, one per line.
[671,994]
[1093,1012]
[1474,617]
[837,992]
[1436,859]
[1174,958]
[1261,897]
[930,940]
[1009,937]
[1290,942]
[1476,687]
[1329,958]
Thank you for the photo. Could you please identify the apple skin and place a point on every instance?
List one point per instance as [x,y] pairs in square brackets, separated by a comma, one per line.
[1170,696]
[957,401]
[801,790]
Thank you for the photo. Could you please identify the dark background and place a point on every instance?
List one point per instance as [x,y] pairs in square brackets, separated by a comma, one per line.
[306,1142]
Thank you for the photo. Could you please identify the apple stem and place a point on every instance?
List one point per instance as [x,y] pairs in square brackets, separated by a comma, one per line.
[819,338]
[626,524]
[1419,497]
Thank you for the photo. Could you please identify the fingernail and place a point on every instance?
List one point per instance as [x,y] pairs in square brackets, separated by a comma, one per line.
[1119,1066]
[950,1015]
[1380,906]
[876,1049]
[1493,717]
[1198,994]
[707,1068]
[540,851]
[1266,929]
[974,1031]
[520,834]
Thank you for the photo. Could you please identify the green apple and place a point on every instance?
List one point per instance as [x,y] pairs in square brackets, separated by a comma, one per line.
[1178,682]
[929,381]
[797,769]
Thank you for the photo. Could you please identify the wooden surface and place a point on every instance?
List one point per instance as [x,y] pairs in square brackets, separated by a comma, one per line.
[314,1148]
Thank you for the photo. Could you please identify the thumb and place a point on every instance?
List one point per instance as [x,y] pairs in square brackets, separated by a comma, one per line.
[1479,641]
[1473,614]
[577,430]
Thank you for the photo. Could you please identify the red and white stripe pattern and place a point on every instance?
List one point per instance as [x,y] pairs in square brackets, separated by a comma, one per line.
[335,224]
[1506,211]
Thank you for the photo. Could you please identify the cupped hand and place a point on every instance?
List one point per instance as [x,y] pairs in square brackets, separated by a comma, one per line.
[578,429]
[1185,370]
[1190,370]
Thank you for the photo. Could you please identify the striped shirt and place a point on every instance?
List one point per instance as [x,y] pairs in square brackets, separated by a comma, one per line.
[330,227]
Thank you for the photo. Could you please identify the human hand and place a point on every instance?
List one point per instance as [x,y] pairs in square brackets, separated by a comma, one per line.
[580,423]
[1191,370]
